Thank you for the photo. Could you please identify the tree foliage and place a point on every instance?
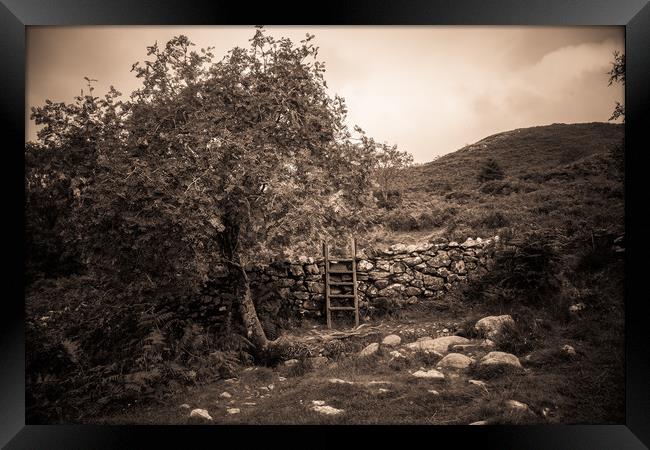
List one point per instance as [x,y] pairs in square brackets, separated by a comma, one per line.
[233,161]
[617,75]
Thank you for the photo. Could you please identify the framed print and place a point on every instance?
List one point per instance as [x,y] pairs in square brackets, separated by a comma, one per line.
[395,219]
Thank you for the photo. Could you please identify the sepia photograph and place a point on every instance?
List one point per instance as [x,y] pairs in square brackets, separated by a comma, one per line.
[324,225]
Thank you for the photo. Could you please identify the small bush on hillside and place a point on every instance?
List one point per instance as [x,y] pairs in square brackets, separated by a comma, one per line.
[391,201]
[491,170]
[499,187]
[526,272]
[493,220]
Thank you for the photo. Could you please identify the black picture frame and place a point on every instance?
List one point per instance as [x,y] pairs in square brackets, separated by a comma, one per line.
[634,15]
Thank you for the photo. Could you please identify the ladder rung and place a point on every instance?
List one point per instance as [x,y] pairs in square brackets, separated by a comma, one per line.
[341,295]
[341,283]
[342,308]
[340,271]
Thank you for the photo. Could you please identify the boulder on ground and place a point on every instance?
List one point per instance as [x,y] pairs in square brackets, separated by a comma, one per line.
[318,361]
[439,345]
[454,361]
[431,374]
[492,326]
[369,350]
[392,340]
[198,416]
[500,359]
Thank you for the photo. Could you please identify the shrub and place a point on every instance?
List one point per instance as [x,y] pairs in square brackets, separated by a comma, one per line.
[526,272]
[494,220]
[490,171]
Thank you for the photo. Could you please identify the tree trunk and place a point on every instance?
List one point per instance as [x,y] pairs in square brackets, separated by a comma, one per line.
[254,331]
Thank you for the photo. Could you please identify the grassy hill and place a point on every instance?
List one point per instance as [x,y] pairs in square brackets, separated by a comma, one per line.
[561,176]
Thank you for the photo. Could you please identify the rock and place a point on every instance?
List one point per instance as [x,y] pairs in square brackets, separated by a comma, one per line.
[431,374]
[433,391]
[312,269]
[296,270]
[414,261]
[339,381]
[398,249]
[577,307]
[492,326]
[412,291]
[454,361]
[365,266]
[291,362]
[433,283]
[382,390]
[200,416]
[480,422]
[516,405]
[500,359]
[439,345]
[282,379]
[369,350]
[478,383]
[320,407]
[396,354]
[458,267]
[233,410]
[488,343]
[225,394]
[469,243]
[567,349]
[398,267]
[318,361]
[184,406]
[440,260]
[392,340]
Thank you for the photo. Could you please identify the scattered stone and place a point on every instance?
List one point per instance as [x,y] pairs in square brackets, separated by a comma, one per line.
[184,406]
[569,350]
[282,379]
[199,416]
[492,326]
[433,391]
[577,307]
[455,361]
[488,343]
[478,383]
[383,391]
[291,362]
[233,410]
[445,330]
[369,350]
[225,394]
[327,410]
[318,361]
[439,345]
[516,405]
[480,422]
[392,340]
[250,403]
[271,387]
[373,383]
[431,374]
[339,381]
[500,359]
[396,355]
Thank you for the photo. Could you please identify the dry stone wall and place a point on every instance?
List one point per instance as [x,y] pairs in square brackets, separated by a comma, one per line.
[392,276]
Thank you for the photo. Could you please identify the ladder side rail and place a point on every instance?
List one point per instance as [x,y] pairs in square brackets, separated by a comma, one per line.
[354,281]
[328,312]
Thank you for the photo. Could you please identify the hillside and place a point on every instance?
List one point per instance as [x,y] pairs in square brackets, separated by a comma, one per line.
[558,176]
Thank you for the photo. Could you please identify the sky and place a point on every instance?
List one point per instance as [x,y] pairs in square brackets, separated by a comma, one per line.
[429,89]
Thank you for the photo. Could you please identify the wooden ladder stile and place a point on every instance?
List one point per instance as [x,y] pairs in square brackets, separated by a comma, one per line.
[336,282]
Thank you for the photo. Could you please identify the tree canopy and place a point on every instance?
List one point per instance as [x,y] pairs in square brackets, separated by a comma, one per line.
[232,161]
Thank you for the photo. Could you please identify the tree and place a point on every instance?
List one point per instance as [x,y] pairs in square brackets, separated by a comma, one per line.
[490,171]
[230,162]
[389,163]
[617,75]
